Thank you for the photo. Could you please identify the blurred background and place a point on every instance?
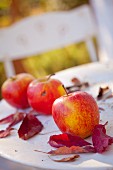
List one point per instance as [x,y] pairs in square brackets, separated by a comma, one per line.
[50,61]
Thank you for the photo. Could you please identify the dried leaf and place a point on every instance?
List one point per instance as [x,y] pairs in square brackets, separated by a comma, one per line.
[72,88]
[76,81]
[17,117]
[100,139]
[90,149]
[13,118]
[68,150]
[77,87]
[67,159]
[104,93]
[33,112]
[29,127]
[101,109]
[67,140]
[7,119]
[5,133]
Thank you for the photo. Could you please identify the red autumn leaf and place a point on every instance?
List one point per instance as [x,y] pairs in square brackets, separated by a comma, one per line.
[68,150]
[66,140]
[17,117]
[7,119]
[29,127]
[67,159]
[33,112]
[13,118]
[100,139]
[90,149]
[5,133]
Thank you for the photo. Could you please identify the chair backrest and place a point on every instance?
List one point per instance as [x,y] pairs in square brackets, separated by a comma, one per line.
[103,11]
[37,34]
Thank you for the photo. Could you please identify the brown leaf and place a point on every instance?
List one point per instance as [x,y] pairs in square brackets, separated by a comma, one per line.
[104,93]
[68,150]
[67,159]
[76,81]
[77,86]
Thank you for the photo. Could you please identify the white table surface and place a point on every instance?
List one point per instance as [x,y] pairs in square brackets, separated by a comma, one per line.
[96,74]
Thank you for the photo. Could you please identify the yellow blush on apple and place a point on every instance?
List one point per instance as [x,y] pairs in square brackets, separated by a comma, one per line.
[76,113]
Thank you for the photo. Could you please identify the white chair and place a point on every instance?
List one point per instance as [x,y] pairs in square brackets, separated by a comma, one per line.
[38,34]
[103,11]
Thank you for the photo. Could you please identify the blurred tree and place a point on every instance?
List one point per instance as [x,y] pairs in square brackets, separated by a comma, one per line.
[19,9]
[4,12]
[63,4]
[54,60]
[12,10]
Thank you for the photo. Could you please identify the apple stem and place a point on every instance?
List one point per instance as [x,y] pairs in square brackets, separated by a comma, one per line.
[13,78]
[65,89]
[50,76]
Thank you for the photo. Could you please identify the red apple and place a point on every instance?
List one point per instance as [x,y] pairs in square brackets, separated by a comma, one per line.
[42,94]
[76,113]
[14,90]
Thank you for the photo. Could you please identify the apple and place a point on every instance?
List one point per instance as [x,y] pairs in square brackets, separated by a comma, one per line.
[14,90]
[76,113]
[43,92]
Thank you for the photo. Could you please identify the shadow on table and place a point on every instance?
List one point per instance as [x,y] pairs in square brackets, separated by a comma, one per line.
[10,165]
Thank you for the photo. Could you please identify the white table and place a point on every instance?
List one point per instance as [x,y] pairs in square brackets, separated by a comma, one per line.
[96,74]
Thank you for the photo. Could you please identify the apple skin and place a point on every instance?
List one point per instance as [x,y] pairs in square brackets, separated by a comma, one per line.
[42,94]
[76,113]
[14,90]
